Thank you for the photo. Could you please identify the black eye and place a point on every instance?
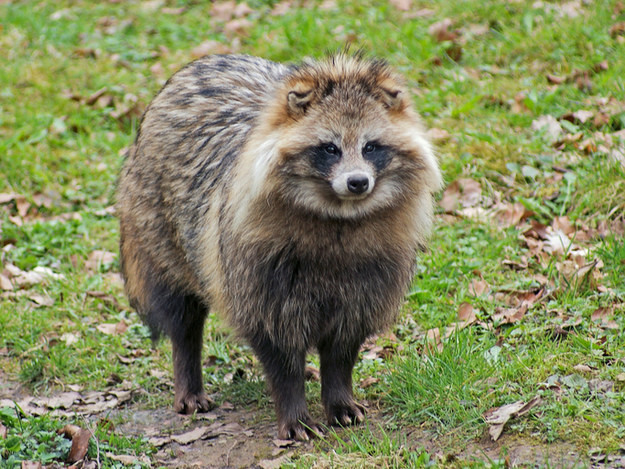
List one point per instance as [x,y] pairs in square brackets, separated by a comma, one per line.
[369,147]
[331,149]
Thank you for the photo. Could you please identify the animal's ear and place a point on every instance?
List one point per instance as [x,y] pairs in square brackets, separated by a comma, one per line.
[298,101]
[392,99]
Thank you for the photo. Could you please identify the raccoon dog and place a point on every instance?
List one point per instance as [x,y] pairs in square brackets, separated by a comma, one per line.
[290,199]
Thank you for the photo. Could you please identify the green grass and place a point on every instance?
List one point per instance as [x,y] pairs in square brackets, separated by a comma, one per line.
[39,439]
[63,153]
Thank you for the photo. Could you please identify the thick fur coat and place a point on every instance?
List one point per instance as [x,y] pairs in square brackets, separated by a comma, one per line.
[290,199]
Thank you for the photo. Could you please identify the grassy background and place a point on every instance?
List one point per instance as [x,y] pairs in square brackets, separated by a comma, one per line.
[76,76]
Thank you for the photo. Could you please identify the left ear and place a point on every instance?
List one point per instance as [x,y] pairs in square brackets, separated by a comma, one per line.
[391,98]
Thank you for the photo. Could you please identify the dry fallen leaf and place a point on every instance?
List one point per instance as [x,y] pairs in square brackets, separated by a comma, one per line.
[555,80]
[31,465]
[125,459]
[237,26]
[281,9]
[110,299]
[223,11]
[461,192]
[5,283]
[477,288]
[97,258]
[441,30]
[209,47]
[365,383]
[3,431]
[617,29]
[549,125]
[434,340]
[191,436]
[40,300]
[402,5]
[498,417]
[507,215]
[113,329]
[80,441]
[509,315]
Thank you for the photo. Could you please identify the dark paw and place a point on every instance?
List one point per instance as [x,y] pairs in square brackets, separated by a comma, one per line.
[188,403]
[344,414]
[303,429]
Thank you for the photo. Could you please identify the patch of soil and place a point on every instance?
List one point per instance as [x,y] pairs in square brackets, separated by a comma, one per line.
[231,437]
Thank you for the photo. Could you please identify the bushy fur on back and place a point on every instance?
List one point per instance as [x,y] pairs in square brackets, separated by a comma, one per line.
[292,200]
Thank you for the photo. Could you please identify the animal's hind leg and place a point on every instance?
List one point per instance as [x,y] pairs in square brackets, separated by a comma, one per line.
[182,317]
[186,338]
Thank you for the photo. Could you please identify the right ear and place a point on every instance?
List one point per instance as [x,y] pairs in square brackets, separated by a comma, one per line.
[298,102]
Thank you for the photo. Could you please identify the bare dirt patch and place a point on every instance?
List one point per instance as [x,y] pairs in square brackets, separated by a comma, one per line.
[246,436]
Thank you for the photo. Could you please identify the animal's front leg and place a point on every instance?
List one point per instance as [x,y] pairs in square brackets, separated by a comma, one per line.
[284,370]
[337,363]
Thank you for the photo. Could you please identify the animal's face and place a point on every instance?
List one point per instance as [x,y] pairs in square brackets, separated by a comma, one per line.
[349,155]
[341,141]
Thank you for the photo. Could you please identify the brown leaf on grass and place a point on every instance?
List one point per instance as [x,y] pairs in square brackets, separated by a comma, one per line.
[602,313]
[191,436]
[522,264]
[110,299]
[557,242]
[209,47]
[466,312]
[583,368]
[617,29]
[223,11]
[97,258]
[112,329]
[507,215]
[281,9]
[94,97]
[509,315]
[129,107]
[434,342]
[604,317]
[555,79]
[5,197]
[17,221]
[25,279]
[402,5]
[420,13]
[438,135]
[127,459]
[477,29]
[311,373]
[578,117]
[549,125]
[477,288]
[441,30]
[31,465]
[237,27]
[40,300]
[563,224]
[365,383]
[80,441]
[537,230]
[466,316]
[3,431]
[462,192]
[5,282]
[499,416]
[577,270]
[173,11]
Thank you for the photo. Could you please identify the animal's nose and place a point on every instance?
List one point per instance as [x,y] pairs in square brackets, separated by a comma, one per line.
[358,184]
